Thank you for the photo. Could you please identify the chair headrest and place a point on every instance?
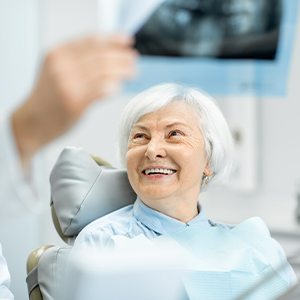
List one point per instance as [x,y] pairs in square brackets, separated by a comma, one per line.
[82,190]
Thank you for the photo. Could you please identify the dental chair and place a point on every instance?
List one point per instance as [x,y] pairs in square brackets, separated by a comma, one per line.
[83,188]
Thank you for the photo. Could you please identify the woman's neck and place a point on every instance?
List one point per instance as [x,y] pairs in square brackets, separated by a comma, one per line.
[183,211]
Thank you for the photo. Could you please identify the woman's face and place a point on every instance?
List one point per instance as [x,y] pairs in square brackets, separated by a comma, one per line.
[166,158]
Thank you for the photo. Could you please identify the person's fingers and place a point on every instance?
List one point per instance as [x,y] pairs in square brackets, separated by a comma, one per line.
[88,63]
[78,77]
[120,40]
[78,91]
[107,88]
[83,96]
[103,84]
[106,59]
[92,45]
[108,63]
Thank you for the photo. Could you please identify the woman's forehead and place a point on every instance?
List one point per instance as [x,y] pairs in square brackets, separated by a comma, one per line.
[174,113]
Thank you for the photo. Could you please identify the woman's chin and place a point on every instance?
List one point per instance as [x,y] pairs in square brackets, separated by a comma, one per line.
[155,194]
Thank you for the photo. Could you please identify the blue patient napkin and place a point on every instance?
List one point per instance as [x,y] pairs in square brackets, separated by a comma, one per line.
[225,262]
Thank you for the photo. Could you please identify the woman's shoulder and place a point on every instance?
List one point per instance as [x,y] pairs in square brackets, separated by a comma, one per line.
[254,236]
[251,233]
[257,234]
[252,226]
[114,223]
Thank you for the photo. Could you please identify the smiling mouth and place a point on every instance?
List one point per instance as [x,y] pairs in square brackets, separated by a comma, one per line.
[158,171]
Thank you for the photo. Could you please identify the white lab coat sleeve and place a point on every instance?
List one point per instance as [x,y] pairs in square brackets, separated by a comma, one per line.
[18,189]
[24,202]
[5,293]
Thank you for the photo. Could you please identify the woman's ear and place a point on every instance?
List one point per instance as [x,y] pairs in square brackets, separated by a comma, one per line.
[207,171]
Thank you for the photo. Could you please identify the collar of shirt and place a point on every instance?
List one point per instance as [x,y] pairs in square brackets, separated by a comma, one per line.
[163,224]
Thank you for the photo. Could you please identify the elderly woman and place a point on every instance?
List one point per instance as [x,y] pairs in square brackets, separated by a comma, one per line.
[174,141]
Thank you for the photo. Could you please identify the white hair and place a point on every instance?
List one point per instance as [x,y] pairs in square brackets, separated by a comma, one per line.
[217,137]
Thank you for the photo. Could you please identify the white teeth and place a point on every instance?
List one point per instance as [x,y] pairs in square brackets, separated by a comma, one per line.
[160,171]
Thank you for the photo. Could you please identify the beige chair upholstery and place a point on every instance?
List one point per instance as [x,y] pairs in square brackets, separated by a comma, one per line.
[83,188]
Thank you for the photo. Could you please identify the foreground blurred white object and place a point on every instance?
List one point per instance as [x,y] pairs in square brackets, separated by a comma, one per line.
[134,269]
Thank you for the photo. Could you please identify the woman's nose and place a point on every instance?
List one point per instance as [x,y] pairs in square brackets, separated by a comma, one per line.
[155,149]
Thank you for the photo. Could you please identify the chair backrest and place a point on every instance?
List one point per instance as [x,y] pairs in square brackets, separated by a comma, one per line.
[83,188]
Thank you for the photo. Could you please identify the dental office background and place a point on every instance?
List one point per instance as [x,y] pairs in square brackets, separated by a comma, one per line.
[258,92]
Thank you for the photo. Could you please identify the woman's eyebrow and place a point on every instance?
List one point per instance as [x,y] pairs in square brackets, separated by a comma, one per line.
[169,125]
[138,126]
[177,124]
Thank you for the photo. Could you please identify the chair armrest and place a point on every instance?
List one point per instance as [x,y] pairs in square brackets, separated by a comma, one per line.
[34,291]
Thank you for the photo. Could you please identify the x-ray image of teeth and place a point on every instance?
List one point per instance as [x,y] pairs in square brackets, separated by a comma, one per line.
[212,28]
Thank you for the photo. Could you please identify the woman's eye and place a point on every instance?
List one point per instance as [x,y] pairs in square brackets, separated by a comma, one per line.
[139,136]
[175,133]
